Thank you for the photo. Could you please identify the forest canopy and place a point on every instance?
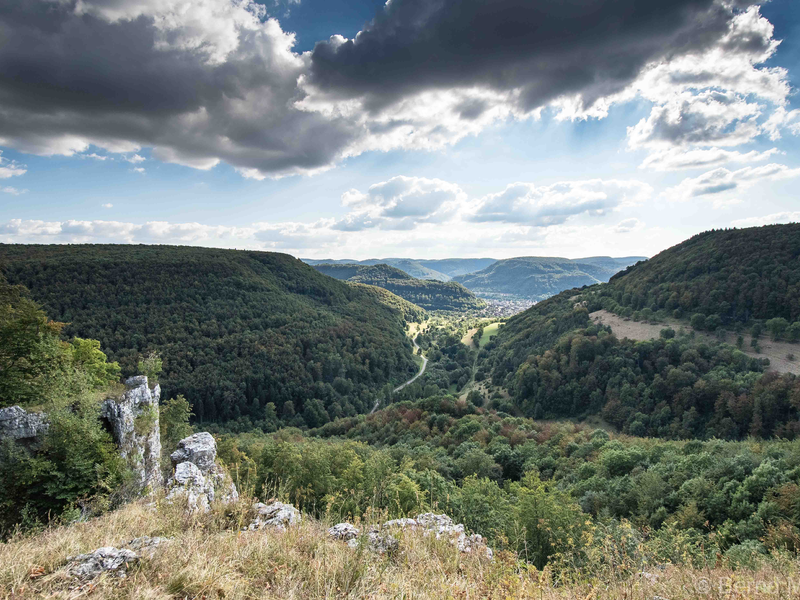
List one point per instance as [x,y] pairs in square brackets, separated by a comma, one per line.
[241,334]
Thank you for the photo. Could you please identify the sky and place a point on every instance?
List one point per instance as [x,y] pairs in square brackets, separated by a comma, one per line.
[415,128]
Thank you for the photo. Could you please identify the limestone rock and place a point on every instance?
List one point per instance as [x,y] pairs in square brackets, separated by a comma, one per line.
[278,516]
[113,561]
[343,531]
[147,546]
[197,478]
[375,541]
[439,524]
[18,424]
[133,418]
[200,449]
[468,543]
[400,524]
[443,526]
[189,483]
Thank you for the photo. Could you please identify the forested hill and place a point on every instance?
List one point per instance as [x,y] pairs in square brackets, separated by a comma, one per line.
[556,362]
[429,294]
[242,334]
[537,277]
[737,274]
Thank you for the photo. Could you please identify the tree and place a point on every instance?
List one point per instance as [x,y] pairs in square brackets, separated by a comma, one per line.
[777,327]
[698,321]
[150,365]
[174,422]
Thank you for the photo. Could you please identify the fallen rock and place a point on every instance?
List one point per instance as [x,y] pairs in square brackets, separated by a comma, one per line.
[375,541]
[343,531]
[20,425]
[114,561]
[278,516]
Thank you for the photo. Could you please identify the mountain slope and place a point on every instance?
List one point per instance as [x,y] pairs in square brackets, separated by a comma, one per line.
[738,274]
[537,277]
[557,363]
[430,295]
[237,330]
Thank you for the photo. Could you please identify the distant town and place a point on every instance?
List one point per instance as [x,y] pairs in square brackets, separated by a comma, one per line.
[505,307]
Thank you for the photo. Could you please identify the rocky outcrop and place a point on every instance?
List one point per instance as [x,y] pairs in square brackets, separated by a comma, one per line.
[277,516]
[197,479]
[343,531]
[114,561]
[442,526]
[375,541]
[133,419]
[19,425]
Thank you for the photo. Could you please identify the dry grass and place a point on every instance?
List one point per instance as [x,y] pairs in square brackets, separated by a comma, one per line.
[210,558]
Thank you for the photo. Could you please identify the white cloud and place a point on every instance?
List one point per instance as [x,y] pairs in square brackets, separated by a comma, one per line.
[723,180]
[139,170]
[554,204]
[107,205]
[136,158]
[628,225]
[773,219]
[10,168]
[674,159]
[401,203]
[12,190]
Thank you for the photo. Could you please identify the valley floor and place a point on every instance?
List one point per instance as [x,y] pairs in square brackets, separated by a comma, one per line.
[209,557]
[776,352]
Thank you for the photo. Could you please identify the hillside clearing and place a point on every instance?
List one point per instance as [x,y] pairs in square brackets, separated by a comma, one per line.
[776,352]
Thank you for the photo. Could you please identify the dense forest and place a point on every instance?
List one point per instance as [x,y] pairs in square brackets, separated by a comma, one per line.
[537,277]
[544,490]
[734,274]
[556,363]
[253,335]
[428,294]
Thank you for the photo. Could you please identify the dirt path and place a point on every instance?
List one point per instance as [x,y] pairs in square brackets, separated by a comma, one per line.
[776,352]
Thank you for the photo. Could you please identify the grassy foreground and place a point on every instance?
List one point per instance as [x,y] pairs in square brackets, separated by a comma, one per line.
[210,558]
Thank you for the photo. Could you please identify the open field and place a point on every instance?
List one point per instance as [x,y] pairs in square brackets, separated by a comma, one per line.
[776,352]
[488,333]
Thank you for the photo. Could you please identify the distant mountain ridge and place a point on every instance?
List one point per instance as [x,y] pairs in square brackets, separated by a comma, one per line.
[428,294]
[538,277]
[443,269]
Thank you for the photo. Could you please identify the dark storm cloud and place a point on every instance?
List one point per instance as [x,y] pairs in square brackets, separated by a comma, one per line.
[205,81]
[542,48]
[67,78]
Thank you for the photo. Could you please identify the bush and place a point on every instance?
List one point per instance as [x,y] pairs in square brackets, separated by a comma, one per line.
[698,321]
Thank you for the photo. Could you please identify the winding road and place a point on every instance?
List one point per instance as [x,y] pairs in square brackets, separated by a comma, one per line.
[410,381]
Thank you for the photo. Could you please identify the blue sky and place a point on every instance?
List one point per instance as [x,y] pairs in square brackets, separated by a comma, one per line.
[237,135]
